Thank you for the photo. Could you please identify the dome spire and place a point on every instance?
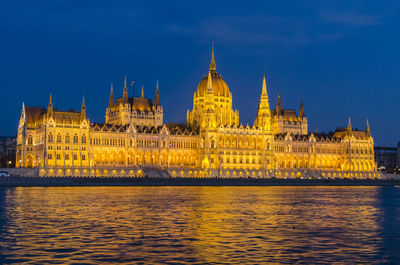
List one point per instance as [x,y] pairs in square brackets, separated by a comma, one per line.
[142,95]
[213,66]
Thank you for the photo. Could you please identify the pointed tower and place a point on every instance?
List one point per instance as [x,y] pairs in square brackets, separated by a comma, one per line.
[111,100]
[264,94]
[157,102]
[50,110]
[301,110]
[349,128]
[263,113]
[23,115]
[213,66]
[187,118]
[125,93]
[83,110]
[367,129]
[142,94]
[279,106]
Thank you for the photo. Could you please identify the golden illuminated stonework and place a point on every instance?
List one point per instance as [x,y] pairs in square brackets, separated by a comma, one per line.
[134,141]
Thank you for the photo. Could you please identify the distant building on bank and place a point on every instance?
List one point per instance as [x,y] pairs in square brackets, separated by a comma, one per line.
[386,158]
[8,146]
[212,142]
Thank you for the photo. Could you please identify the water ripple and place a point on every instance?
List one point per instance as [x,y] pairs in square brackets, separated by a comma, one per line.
[200,225]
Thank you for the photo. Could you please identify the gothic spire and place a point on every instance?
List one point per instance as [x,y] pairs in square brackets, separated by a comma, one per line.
[264,88]
[23,115]
[111,100]
[50,102]
[213,66]
[263,112]
[349,128]
[83,109]
[301,111]
[263,103]
[142,95]
[279,106]
[125,93]
[367,130]
[157,97]
[50,107]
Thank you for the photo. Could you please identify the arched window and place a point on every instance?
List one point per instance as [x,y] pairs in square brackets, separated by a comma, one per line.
[84,139]
[268,146]
[30,141]
[212,143]
[67,138]
[75,139]
[50,138]
[58,138]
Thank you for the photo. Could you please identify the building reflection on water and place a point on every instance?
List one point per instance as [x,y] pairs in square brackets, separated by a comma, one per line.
[196,224]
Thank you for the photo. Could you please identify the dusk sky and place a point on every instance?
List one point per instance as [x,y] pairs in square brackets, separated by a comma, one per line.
[342,57]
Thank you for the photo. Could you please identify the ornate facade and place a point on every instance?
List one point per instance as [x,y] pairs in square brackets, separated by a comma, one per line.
[212,142]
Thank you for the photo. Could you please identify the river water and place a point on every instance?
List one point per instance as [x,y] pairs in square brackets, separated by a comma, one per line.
[200,225]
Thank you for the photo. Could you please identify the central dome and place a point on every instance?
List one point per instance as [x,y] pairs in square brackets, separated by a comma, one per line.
[219,86]
[212,109]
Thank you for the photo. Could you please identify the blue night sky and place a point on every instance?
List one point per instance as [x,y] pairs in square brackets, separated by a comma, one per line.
[343,57]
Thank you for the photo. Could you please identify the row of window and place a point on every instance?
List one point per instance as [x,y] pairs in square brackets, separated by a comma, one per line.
[66,156]
[360,151]
[107,141]
[187,145]
[239,161]
[67,138]
[222,99]
[320,150]
[50,147]
[156,144]
[235,143]
[241,153]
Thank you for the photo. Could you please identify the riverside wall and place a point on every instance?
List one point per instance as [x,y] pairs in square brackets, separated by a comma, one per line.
[18,181]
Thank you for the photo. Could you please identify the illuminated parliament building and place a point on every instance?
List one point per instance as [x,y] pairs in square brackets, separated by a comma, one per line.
[135,141]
